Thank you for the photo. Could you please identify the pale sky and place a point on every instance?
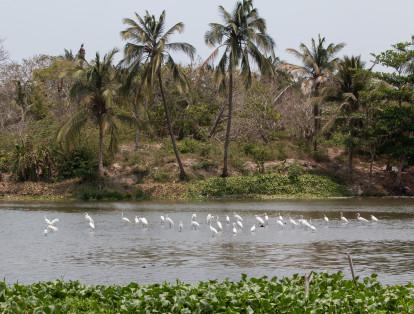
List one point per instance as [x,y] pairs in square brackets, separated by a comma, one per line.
[32,27]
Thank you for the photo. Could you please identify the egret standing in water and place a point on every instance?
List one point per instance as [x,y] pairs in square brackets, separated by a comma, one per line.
[227,219]
[325,218]
[373,218]
[213,230]
[260,220]
[170,221]
[343,218]
[359,218]
[195,225]
[253,229]
[180,226]
[144,221]
[125,219]
[162,219]
[238,217]
[266,218]
[234,228]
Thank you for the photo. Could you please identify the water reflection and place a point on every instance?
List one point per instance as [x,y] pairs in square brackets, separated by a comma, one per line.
[119,253]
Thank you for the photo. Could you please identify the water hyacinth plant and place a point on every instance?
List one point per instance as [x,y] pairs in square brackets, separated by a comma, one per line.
[328,293]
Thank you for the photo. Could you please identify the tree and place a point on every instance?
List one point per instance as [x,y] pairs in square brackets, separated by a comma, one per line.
[148,43]
[244,39]
[318,65]
[351,79]
[94,89]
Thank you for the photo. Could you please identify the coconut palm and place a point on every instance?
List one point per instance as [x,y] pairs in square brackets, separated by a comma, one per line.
[351,79]
[94,89]
[244,39]
[318,65]
[148,46]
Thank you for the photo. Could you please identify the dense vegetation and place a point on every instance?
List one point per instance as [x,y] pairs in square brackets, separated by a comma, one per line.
[68,117]
[327,294]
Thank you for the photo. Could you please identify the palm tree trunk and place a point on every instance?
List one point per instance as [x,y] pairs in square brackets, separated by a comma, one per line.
[183,175]
[217,121]
[228,130]
[316,126]
[100,148]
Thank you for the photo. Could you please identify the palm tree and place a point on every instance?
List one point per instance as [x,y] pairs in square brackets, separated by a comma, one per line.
[351,79]
[244,39]
[318,64]
[94,89]
[148,45]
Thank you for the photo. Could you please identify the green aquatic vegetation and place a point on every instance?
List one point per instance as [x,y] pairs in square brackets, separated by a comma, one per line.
[329,293]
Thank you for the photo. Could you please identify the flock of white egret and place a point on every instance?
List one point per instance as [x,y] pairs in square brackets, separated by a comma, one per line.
[214,224]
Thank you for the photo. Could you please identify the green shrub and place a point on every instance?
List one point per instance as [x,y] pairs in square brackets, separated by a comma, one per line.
[5,161]
[270,184]
[160,176]
[96,193]
[294,172]
[260,154]
[207,165]
[32,162]
[77,163]
[189,146]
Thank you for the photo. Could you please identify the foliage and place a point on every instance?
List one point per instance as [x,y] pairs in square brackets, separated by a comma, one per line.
[329,293]
[267,185]
[96,193]
[77,163]
[32,162]
[260,154]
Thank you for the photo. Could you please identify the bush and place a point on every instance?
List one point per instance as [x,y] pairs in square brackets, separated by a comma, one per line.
[207,165]
[189,146]
[260,154]
[93,193]
[160,176]
[77,163]
[274,184]
[294,172]
[32,162]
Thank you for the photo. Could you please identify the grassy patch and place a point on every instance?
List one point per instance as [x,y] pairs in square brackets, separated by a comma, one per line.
[290,185]
[327,294]
[96,193]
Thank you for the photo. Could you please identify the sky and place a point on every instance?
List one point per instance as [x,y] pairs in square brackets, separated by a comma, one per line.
[30,27]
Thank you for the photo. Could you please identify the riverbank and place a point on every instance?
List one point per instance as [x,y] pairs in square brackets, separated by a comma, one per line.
[328,293]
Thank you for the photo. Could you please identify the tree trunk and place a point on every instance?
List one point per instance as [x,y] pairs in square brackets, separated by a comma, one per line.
[100,148]
[316,126]
[183,175]
[228,130]
[217,121]
[350,160]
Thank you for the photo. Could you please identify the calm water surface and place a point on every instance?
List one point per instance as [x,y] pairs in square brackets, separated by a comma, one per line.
[117,252]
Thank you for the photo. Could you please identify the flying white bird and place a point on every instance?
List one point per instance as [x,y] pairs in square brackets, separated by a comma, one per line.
[343,218]
[325,218]
[260,220]
[361,218]
[234,228]
[126,219]
[180,226]
[51,222]
[170,221]
[373,218]
[53,228]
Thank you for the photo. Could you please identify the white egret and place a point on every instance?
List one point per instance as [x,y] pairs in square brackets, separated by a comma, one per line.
[87,217]
[292,221]
[144,221]
[280,217]
[162,219]
[238,217]
[180,226]
[260,220]
[126,219]
[193,217]
[373,218]
[92,224]
[51,222]
[325,218]
[266,218]
[227,219]
[195,225]
[213,230]
[343,218]
[361,218]
[280,222]
[219,225]
[240,224]
[234,228]
[253,228]
[208,218]
[136,220]
[170,221]
[53,228]
[45,232]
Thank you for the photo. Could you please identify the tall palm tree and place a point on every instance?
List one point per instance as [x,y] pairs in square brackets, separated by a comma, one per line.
[148,45]
[94,89]
[351,79]
[244,39]
[318,65]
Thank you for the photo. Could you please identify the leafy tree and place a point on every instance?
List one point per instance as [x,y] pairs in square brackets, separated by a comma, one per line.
[94,88]
[149,44]
[318,65]
[244,38]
